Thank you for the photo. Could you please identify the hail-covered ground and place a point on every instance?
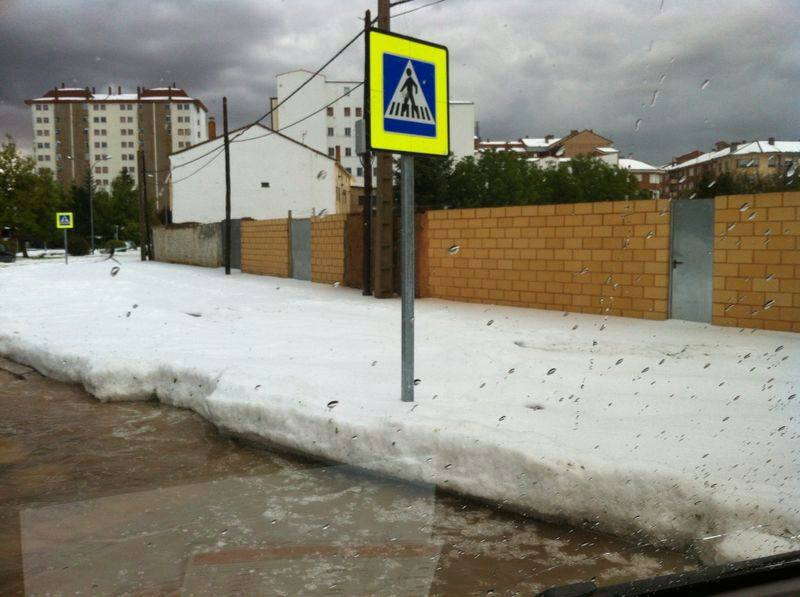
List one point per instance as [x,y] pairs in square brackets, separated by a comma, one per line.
[669,432]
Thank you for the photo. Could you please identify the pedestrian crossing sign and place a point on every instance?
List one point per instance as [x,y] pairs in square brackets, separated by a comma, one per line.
[408,94]
[64,219]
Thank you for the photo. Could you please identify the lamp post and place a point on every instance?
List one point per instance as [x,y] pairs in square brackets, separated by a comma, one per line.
[103,158]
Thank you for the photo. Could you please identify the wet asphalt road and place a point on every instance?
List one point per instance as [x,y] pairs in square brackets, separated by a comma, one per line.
[139,498]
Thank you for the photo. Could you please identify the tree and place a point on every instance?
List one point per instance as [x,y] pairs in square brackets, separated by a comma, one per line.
[29,199]
[117,213]
[727,183]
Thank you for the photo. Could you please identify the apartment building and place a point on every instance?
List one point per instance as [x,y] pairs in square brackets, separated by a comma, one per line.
[650,178]
[549,151]
[751,158]
[304,119]
[77,130]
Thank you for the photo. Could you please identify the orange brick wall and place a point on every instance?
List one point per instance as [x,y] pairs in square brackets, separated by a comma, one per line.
[265,247]
[604,258]
[327,248]
[757,260]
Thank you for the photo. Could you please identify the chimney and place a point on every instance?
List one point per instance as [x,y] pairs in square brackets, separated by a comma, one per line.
[734,146]
[93,91]
[119,89]
[573,132]
[548,138]
[169,92]
[109,90]
[138,92]
[338,154]
[212,128]
[772,140]
[719,145]
[62,84]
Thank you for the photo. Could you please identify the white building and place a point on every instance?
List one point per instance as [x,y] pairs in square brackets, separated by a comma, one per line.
[335,126]
[270,175]
[77,129]
[650,178]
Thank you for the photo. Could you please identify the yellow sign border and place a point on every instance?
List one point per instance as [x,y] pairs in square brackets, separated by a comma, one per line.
[380,42]
[71,220]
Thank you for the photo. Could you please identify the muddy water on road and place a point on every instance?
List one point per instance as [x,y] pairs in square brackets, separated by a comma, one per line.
[141,498]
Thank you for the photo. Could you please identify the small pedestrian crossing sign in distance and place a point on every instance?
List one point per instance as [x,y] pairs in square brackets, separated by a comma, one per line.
[64,219]
[408,91]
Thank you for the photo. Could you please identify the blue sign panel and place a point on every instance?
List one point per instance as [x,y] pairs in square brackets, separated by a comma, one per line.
[409,96]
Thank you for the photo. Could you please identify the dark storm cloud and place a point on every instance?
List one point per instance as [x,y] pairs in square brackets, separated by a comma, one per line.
[531,67]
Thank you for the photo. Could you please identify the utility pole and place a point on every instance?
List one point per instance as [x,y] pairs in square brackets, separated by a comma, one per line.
[366,160]
[227,188]
[142,208]
[383,222]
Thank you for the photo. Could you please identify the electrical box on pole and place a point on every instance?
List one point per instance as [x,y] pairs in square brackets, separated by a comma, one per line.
[409,114]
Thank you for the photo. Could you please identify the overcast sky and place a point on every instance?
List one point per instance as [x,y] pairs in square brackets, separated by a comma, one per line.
[531,66]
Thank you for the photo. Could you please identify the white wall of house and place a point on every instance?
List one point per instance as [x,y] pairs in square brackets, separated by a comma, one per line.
[300,179]
[462,129]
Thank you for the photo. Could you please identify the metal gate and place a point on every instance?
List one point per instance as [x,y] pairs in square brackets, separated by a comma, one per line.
[301,249]
[692,260]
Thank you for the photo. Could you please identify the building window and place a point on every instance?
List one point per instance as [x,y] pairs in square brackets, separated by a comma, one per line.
[347,111]
[330,131]
[39,107]
[348,151]
[347,131]
[772,161]
[330,110]
[264,185]
[358,112]
[103,107]
[38,120]
[747,163]
[347,91]
[331,152]
[349,170]
[359,171]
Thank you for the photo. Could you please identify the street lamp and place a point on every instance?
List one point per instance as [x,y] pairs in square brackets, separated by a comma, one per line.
[102,158]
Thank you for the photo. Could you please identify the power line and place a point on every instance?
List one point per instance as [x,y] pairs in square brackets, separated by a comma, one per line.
[410,10]
[279,104]
[306,117]
[271,132]
[288,97]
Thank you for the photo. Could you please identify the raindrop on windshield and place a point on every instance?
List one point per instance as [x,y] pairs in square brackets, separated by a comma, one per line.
[769,304]
[705,84]
[332,403]
[417,382]
[745,206]
[551,371]
[454,249]
[637,124]
[650,235]
[490,322]
[655,97]
[115,270]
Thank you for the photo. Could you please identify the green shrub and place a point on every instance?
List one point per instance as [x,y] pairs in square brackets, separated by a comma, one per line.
[78,246]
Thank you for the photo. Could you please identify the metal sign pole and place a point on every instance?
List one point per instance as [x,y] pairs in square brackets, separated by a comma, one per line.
[66,248]
[407,230]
